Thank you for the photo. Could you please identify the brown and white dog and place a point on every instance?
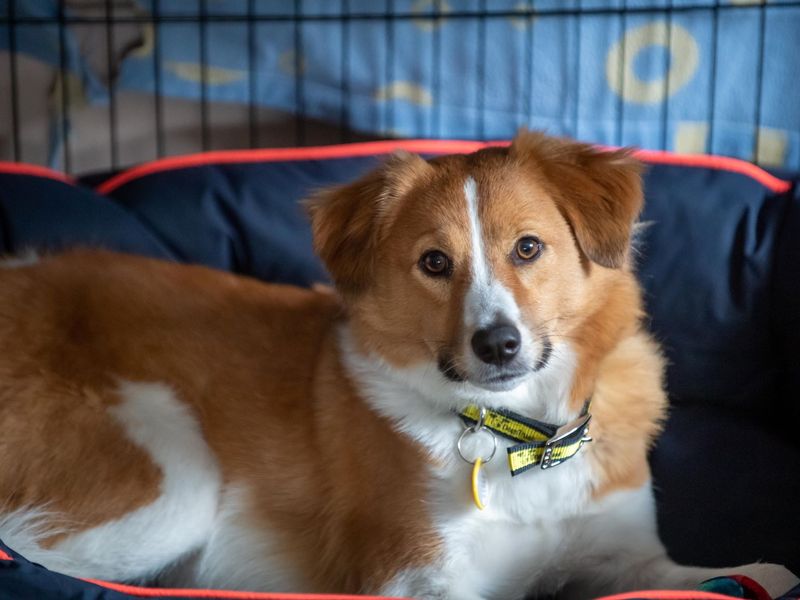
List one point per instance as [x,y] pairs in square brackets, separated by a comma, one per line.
[176,423]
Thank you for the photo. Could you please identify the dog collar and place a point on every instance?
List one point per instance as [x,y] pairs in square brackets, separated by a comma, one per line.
[539,443]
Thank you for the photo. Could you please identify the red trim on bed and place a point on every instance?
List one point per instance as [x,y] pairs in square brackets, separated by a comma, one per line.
[668,595]
[220,594]
[720,163]
[229,595]
[723,163]
[292,154]
[34,171]
[5,556]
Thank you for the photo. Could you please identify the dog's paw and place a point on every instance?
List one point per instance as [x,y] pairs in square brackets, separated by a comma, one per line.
[776,579]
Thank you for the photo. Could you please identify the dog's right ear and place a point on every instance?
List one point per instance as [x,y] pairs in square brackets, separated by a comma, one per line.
[347,221]
[599,192]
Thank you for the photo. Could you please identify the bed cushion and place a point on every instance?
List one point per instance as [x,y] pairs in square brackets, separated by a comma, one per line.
[21,579]
[40,209]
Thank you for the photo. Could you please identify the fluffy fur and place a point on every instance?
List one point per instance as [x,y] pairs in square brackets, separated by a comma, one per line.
[305,440]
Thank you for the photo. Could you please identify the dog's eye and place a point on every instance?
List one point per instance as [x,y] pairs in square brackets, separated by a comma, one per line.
[528,248]
[435,264]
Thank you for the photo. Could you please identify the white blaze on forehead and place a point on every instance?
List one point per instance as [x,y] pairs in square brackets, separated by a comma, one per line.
[487,299]
[142,542]
[480,268]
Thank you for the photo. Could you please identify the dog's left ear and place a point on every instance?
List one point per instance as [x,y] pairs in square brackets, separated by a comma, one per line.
[347,221]
[599,192]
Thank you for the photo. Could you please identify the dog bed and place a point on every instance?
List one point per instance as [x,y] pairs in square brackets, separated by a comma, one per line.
[22,579]
[718,258]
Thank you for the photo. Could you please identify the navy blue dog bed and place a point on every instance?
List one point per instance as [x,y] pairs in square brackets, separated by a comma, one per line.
[719,261]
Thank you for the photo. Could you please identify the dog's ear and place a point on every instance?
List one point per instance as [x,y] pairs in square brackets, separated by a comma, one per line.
[347,221]
[599,192]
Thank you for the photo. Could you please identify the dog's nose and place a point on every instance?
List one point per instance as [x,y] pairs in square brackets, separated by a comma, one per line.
[496,344]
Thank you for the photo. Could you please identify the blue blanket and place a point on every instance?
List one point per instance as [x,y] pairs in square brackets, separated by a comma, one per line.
[482,79]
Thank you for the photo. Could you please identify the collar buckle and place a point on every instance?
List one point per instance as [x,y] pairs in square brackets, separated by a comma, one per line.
[581,424]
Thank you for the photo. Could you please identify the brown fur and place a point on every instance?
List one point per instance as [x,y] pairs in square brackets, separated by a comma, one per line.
[214,343]
[260,367]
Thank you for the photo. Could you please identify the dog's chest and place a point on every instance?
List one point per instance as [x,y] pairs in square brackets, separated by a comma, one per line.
[522,539]
[530,496]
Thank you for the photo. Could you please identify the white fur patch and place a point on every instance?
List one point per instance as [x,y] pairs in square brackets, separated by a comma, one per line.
[486,299]
[26,258]
[138,545]
[480,268]
[241,553]
[24,529]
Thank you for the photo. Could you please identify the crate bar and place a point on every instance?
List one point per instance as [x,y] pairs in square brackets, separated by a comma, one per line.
[621,73]
[436,70]
[252,75]
[205,137]
[344,109]
[389,115]
[480,101]
[712,87]
[576,106]
[158,103]
[14,74]
[762,27]
[112,91]
[667,67]
[499,14]
[299,87]
[529,64]
[62,47]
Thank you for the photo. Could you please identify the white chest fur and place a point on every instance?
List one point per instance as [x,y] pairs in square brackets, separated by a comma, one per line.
[517,542]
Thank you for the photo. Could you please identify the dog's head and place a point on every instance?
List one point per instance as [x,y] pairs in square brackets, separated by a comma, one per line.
[476,265]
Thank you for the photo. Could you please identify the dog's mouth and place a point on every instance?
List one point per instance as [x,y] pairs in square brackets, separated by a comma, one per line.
[448,367]
[498,379]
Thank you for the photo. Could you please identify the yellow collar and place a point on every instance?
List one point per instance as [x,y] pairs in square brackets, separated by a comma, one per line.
[539,443]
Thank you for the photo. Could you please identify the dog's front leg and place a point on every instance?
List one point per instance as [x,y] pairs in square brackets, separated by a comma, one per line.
[617,550]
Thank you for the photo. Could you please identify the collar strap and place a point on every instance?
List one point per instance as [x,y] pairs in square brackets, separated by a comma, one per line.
[539,443]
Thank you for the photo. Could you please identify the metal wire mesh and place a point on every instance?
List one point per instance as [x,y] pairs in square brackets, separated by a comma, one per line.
[109,17]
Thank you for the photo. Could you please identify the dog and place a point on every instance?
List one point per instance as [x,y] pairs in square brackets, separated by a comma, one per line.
[467,416]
